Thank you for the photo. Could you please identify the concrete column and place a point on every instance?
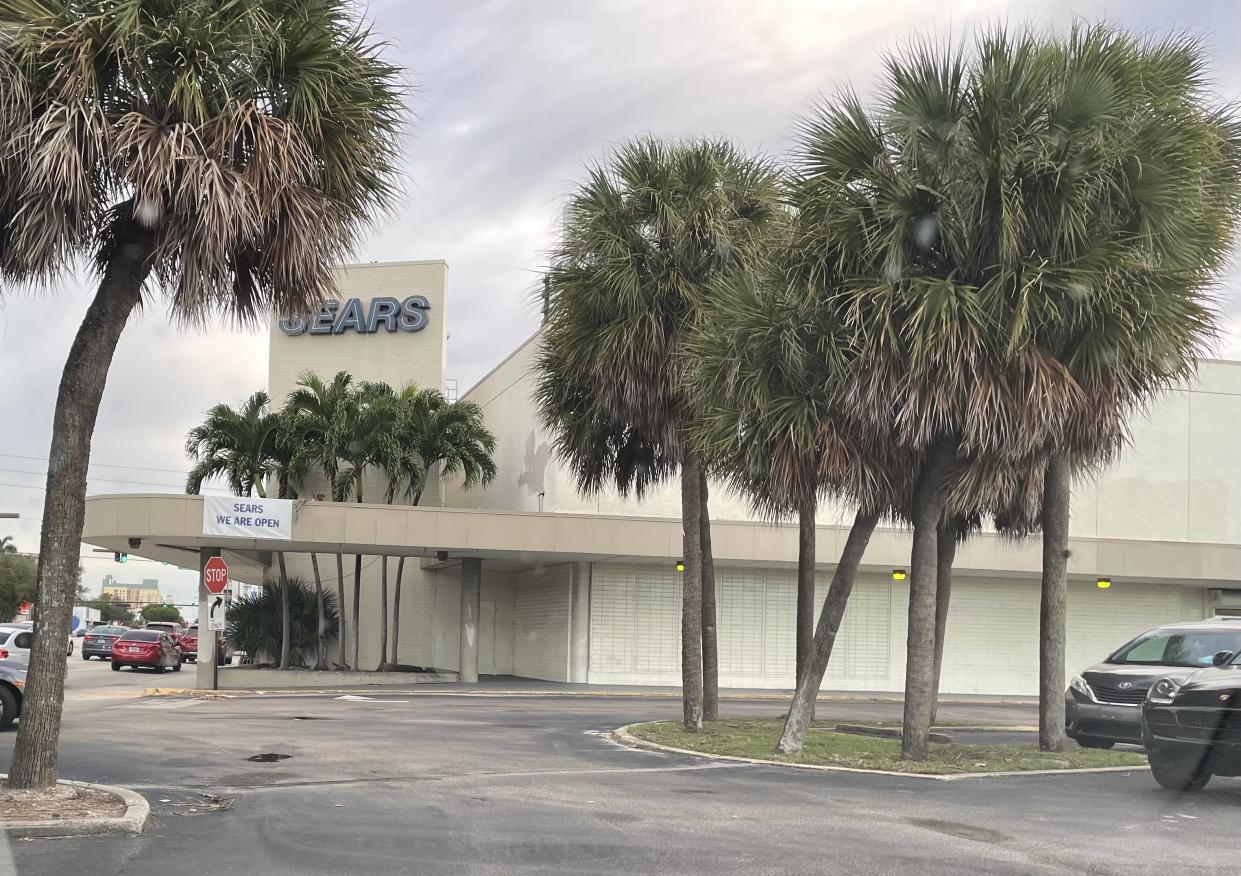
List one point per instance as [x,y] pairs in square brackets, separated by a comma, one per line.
[471,608]
[205,673]
[579,624]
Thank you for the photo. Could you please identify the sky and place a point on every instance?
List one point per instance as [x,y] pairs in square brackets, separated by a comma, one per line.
[509,102]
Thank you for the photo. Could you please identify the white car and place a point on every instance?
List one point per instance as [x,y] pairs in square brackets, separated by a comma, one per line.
[16,639]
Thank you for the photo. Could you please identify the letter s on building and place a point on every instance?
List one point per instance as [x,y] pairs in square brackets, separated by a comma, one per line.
[414,313]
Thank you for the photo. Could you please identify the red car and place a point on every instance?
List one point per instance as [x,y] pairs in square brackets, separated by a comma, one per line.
[189,647]
[149,648]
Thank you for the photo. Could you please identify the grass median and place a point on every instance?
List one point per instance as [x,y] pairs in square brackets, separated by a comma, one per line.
[756,738]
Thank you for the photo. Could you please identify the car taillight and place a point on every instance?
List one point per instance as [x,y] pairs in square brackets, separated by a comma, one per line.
[4,654]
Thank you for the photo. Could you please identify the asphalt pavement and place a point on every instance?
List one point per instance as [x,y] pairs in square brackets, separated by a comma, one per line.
[443,783]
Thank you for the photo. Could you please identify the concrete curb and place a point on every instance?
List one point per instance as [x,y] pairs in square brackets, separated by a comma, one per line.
[137,814]
[356,691]
[622,736]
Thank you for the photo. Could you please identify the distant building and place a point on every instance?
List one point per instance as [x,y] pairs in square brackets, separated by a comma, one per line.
[136,595]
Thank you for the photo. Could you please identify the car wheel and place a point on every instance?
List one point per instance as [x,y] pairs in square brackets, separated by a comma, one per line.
[8,708]
[1087,742]
[222,660]
[116,667]
[176,667]
[85,656]
[1178,773]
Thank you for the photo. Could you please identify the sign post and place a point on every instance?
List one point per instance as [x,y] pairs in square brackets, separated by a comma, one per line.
[209,576]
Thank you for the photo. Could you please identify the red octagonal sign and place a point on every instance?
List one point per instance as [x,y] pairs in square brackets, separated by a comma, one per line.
[215,575]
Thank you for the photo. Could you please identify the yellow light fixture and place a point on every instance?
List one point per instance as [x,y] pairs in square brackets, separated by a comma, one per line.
[680,565]
[898,574]
[1103,583]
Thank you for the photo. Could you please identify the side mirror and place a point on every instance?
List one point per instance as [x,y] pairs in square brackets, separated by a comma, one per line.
[1221,658]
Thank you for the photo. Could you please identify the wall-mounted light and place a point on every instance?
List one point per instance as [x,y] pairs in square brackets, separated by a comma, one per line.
[1103,583]
[680,565]
[898,574]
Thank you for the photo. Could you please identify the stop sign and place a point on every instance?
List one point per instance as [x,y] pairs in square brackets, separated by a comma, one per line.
[215,575]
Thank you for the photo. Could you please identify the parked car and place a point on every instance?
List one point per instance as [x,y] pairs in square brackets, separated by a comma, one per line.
[28,626]
[1103,705]
[152,649]
[12,686]
[15,641]
[98,642]
[189,647]
[1191,726]
[174,630]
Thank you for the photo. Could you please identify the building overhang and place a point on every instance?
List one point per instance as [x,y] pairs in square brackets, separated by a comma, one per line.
[168,528]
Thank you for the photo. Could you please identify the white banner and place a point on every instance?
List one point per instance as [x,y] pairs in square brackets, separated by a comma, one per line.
[233,517]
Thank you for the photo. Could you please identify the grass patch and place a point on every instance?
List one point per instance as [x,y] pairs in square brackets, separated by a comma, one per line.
[757,738]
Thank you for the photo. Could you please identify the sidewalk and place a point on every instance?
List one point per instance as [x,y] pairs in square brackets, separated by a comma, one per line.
[506,685]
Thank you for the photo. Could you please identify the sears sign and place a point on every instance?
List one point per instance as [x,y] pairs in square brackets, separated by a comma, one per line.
[390,314]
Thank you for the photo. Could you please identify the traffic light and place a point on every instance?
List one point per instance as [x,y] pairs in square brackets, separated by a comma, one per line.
[120,557]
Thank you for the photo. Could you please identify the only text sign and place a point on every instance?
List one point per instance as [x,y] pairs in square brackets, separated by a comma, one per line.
[243,517]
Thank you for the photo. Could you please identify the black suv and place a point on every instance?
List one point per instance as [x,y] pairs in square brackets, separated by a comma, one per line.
[1191,727]
[1103,705]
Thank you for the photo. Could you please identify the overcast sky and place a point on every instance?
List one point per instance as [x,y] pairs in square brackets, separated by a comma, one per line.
[511,98]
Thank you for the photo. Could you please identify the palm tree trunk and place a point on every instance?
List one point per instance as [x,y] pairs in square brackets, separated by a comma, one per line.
[35,755]
[928,506]
[340,607]
[805,583]
[357,607]
[285,626]
[691,595]
[710,649]
[383,614]
[1057,490]
[810,677]
[320,651]
[946,552]
[396,613]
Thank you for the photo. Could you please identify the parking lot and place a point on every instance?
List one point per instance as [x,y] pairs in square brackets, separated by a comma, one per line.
[407,783]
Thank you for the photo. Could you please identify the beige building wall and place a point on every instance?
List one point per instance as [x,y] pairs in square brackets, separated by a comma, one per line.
[396,358]
[1179,481]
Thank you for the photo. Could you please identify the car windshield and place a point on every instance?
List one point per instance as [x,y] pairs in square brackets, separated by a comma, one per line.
[107,631]
[1177,647]
[141,636]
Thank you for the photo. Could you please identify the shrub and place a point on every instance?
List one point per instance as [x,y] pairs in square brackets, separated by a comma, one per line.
[254,623]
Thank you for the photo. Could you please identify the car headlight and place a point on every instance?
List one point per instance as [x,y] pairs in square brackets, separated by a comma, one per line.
[1163,692]
[1080,685]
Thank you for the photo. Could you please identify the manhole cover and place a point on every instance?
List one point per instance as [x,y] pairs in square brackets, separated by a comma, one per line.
[267,757]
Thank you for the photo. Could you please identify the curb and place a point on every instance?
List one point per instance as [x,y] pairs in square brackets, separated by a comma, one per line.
[777,698]
[137,815]
[622,736]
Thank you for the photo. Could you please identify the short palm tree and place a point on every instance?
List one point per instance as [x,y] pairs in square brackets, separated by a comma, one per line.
[255,625]
[641,242]
[314,415]
[431,431]
[239,445]
[7,545]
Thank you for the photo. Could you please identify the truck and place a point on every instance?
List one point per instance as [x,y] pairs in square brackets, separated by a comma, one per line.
[83,619]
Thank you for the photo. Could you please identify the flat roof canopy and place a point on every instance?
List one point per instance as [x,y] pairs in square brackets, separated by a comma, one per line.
[168,528]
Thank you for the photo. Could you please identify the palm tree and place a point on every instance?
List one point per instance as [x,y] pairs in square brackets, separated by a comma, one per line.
[7,545]
[239,445]
[226,155]
[432,431]
[771,359]
[315,413]
[641,242]
[247,447]
[982,213]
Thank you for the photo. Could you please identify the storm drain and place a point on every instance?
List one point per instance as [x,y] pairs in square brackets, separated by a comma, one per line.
[267,757]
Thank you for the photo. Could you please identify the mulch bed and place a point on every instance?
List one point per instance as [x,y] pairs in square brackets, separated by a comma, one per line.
[60,802]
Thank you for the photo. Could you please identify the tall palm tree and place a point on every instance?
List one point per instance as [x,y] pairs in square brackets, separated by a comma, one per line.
[771,359]
[640,244]
[988,210]
[315,414]
[225,155]
[430,431]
